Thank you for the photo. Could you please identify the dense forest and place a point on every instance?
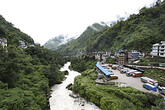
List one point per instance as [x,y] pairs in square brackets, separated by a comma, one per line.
[26,74]
[139,32]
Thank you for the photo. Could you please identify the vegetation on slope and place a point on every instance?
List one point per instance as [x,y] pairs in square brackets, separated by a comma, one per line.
[111,97]
[26,75]
[157,74]
[13,34]
[80,44]
[81,64]
[55,42]
[138,32]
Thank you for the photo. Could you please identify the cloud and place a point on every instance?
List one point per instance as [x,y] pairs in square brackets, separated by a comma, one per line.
[44,19]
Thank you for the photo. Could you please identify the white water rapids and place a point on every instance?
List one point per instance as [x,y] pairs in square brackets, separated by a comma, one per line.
[60,99]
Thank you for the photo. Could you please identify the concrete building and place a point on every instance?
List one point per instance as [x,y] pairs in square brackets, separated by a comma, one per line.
[98,55]
[122,57]
[102,55]
[3,41]
[22,44]
[133,55]
[158,49]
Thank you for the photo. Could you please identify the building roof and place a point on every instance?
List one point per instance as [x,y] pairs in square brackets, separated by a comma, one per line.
[160,43]
[103,70]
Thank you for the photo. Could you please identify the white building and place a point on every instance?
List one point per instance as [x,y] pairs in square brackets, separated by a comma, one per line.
[3,41]
[158,49]
[102,55]
[22,43]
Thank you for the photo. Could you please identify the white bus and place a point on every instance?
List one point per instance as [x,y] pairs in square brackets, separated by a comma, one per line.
[149,80]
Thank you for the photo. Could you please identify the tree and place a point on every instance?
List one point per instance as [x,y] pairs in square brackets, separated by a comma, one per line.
[10,66]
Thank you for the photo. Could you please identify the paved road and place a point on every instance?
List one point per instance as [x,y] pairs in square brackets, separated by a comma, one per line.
[147,66]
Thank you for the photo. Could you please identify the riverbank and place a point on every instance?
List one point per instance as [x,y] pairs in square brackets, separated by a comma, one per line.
[60,99]
[111,96]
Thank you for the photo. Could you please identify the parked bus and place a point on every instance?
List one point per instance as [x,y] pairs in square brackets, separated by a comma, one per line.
[137,73]
[150,87]
[130,72]
[161,90]
[149,80]
[123,70]
[113,77]
[162,64]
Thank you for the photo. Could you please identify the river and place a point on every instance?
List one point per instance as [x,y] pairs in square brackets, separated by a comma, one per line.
[60,99]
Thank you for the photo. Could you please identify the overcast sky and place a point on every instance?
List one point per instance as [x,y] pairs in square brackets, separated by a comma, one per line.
[45,19]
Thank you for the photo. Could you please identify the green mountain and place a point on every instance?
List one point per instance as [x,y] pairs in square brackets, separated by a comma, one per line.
[139,32]
[13,34]
[26,75]
[80,44]
[55,42]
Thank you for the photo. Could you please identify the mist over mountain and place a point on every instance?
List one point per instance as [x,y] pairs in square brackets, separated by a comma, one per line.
[57,41]
[80,44]
[139,32]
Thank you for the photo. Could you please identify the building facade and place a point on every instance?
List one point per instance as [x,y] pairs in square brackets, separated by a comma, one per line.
[3,41]
[102,55]
[158,49]
[122,57]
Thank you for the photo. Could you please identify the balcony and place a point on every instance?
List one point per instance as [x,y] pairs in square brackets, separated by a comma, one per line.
[154,48]
[154,54]
[161,51]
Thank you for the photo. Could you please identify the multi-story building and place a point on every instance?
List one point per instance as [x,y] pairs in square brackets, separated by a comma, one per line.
[102,55]
[98,55]
[158,49]
[3,41]
[122,57]
[133,55]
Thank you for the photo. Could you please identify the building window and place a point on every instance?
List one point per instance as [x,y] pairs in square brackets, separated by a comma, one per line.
[162,46]
[161,53]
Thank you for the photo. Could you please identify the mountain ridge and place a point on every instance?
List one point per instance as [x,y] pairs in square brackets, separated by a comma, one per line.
[55,42]
[79,45]
[139,32]
[12,33]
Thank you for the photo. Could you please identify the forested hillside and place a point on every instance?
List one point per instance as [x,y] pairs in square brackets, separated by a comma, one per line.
[26,74]
[80,44]
[138,32]
[13,34]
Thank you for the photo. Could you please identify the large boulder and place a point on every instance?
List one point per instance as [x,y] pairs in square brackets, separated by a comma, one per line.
[69,87]
[66,72]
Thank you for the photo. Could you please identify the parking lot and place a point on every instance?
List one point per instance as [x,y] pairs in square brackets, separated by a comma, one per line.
[125,80]
[129,81]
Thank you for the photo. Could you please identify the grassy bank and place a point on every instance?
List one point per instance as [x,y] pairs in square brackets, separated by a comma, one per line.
[111,97]
[157,74]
